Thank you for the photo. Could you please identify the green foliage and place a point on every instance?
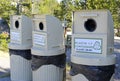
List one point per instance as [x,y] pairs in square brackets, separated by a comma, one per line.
[64,12]
[6,9]
[73,5]
[4,40]
[47,6]
[27,8]
[112,5]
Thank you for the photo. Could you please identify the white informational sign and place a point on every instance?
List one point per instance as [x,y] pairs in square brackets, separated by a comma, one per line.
[88,45]
[15,37]
[39,39]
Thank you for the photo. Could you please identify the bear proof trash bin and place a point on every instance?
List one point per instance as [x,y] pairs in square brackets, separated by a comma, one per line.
[48,51]
[92,46]
[20,48]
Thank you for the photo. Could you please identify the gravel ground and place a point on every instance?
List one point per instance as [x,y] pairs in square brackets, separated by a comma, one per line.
[5,66]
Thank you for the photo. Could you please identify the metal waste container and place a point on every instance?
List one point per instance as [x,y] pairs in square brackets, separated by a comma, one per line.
[20,48]
[92,46]
[48,51]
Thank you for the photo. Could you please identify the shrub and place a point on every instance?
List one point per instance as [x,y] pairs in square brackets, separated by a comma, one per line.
[4,40]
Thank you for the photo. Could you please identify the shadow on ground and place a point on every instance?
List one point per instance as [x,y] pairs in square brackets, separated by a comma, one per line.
[4,72]
[117,52]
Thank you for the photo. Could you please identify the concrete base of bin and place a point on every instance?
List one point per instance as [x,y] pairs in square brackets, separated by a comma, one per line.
[20,65]
[81,77]
[48,68]
[48,73]
[91,73]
